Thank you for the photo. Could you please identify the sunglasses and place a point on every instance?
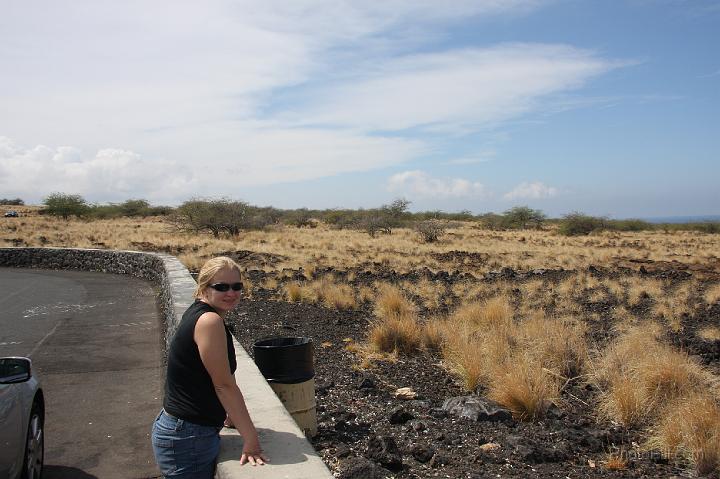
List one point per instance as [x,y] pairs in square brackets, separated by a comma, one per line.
[223,287]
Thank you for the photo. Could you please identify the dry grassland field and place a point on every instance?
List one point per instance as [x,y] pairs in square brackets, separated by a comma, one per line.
[485,354]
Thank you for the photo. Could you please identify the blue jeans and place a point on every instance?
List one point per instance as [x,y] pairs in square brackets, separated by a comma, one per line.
[183,449]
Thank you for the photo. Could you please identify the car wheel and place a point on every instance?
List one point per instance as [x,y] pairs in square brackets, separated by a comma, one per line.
[35,445]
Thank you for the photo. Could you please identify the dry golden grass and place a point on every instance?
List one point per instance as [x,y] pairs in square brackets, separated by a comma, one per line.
[672,310]
[337,296]
[432,334]
[556,344]
[615,288]
[712,294]
[641,376]
[324,246]
[325,291]
[520,364]
[401,334]
[495,314]
[691,430]
[524,387]
[309,271]
[391,302]
[269,283]
[430,292]
[365,294]
[710,333]
[293,292]
[616,461]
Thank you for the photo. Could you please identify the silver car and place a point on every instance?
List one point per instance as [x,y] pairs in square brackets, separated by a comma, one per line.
[22,419]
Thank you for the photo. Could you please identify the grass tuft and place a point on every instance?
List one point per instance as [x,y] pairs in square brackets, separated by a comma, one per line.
[691,430]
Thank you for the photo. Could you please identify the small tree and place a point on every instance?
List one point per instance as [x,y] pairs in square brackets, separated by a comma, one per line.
[523,217]
[300,218]
[430,230]
[222,215]
[135,208]
[11,202]
[62,204]
[576,224]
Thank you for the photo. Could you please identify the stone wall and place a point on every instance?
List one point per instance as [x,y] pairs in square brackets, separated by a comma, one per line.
[174,283]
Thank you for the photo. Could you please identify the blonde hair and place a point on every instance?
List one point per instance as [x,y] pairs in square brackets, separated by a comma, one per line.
[210,269]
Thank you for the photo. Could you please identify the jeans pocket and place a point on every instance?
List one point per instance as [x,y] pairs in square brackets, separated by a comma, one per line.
[164,450]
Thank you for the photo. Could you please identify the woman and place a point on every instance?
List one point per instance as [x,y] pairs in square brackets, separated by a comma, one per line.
[200,389]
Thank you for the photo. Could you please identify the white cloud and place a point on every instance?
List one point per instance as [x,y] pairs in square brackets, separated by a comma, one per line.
[419,183]
[535,190]
[110,174]
[257,92]
[457,89]
[257,157]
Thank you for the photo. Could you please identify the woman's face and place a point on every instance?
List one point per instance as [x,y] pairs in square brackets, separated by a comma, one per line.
[227,300]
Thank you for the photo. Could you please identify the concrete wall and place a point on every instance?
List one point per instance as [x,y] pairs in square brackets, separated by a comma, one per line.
[291,454]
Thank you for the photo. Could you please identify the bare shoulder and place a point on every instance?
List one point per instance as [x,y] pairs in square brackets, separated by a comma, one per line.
[208,323]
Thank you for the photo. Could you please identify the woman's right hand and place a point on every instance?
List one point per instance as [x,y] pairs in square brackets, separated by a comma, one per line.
[252,453]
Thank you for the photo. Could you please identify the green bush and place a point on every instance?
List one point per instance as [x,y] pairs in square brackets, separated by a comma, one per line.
[65,205]
[575,224]
[630,225]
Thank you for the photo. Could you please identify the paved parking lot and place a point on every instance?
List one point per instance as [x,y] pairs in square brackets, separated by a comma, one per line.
[95,341]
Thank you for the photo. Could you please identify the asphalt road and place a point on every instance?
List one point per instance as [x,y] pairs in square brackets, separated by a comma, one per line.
[95,342]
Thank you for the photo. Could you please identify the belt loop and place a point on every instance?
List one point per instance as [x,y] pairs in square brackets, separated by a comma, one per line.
[179,424]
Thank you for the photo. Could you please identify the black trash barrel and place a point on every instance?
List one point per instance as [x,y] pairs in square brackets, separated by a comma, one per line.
[288,366]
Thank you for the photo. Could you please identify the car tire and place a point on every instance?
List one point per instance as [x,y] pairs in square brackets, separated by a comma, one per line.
[34,444]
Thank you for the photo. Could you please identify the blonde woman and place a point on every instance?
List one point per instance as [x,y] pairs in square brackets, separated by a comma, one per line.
[200,389]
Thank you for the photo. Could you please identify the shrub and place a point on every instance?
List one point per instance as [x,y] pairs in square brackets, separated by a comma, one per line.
[522,217]
[300,218]
[65,205]
[575,224]
[12,202]
[222,216]
[430,230]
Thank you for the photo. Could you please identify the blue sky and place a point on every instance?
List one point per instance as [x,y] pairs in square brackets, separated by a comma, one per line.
[609,108]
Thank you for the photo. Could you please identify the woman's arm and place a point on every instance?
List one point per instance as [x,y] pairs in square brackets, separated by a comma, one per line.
[210,338]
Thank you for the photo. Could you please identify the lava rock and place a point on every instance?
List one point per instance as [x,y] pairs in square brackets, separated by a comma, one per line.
[384,450]
[438,413]
[324,387]
[400,416]
[367,383]
[476,408]
[342,450]
[422,453]
[534,453]
[417,425]
[592,440]
[439,460]
[361,468]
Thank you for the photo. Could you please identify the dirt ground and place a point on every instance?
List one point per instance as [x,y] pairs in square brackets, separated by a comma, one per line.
[365,431]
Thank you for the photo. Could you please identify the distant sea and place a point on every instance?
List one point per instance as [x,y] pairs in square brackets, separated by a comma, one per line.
[682,219]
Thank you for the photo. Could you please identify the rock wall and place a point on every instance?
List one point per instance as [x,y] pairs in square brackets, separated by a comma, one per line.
[173,281]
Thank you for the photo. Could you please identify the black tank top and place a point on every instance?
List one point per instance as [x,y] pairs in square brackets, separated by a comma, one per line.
[189,391]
